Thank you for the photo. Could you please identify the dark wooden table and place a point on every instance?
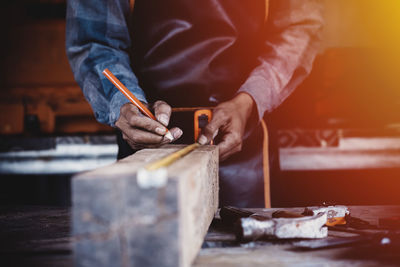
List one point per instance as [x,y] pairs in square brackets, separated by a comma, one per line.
[222,250]
[35,236]
[40,236]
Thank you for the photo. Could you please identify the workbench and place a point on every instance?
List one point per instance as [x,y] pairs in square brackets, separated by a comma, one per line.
[220,248]
[40,236]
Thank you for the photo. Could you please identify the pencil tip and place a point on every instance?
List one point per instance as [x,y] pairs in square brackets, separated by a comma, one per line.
[169,136]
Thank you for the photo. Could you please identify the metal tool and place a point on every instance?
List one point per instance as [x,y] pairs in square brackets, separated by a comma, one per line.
[336,214]
[251,226]
[254,227]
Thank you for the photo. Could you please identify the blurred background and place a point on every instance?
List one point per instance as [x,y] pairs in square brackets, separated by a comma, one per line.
[338,134]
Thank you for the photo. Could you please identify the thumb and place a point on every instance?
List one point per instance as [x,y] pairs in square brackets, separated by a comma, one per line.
[211,130]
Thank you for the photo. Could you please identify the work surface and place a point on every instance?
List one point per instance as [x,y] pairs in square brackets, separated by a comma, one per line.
[220,248]
[37,236]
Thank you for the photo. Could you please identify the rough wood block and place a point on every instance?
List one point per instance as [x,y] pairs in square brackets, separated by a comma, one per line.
[116,221]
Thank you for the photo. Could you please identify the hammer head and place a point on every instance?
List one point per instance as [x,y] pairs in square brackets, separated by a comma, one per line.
[337,211]
[336,214]
[255,228]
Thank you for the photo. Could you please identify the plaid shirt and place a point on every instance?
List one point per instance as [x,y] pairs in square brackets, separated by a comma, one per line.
[97,37]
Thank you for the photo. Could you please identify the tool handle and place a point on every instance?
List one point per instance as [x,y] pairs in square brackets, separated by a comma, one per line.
[230,215]
[114,80]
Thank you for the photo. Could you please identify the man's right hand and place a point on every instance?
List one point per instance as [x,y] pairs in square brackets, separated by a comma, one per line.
[139,131]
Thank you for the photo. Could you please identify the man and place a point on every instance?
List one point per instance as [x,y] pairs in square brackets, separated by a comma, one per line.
[241,57]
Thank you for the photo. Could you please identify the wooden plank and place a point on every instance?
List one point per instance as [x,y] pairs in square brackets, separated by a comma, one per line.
[117,221]
[351,154]
[58,109]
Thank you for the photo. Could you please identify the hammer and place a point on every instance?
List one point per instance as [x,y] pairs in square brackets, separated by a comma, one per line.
[250,226]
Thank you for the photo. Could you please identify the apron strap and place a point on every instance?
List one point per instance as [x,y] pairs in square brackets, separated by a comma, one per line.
[267,189]
[131,5]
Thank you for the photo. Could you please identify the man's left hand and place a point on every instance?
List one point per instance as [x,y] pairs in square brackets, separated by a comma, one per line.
[229,122]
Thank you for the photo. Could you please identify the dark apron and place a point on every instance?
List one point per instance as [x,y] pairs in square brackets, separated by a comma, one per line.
[198,53]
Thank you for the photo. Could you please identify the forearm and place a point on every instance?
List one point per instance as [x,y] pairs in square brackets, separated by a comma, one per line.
[97,37]
[292,42]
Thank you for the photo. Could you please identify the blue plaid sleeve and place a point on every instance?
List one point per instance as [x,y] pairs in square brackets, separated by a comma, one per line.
[97,37]
[293,38]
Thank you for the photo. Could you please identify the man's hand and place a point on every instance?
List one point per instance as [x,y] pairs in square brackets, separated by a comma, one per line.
[229,122]
[139,131]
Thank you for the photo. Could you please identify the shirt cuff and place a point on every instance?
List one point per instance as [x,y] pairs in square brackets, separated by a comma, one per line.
[257,88]
[117,101]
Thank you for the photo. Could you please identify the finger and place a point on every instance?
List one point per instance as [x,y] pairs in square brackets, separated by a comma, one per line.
[135,119]
[211,130]
[145,123]
[135,144]
[176,133]
[231,143]
[139,136]
[141,146]
[162,111]
[131,143]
